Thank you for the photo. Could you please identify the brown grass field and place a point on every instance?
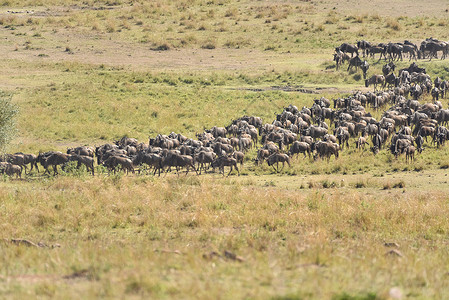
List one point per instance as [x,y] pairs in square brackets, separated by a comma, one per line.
[89,72]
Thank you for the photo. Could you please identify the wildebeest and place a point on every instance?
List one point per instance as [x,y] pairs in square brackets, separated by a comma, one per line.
[364,46]
[11,170]
[203,158]
[300,147]
[29,159]
[53,159]
[354,62]
[375,80]
[276,158]
[360,143]
[83,150]
[177,161]
[410,153]
[411,52]
[386,69]
[16,159]
[113,161]
[225,161]
[239,156]
[391,81]
[326,149]
[364,66]
[377,49]
[348,48]
[88,161]
[153,160]
[419,143]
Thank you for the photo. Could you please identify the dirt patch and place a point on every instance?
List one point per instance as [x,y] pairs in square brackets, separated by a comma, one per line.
[297,89]
[387,8]
[279,88]
[96,49]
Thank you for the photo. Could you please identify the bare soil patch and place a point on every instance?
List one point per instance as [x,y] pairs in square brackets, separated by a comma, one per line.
[387,8]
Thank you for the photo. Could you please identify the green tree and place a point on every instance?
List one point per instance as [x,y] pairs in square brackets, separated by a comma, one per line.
[8,111]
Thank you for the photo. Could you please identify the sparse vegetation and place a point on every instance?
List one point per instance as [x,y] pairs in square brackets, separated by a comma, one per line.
[8,112]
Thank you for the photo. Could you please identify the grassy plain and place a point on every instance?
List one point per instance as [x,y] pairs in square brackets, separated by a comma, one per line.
[92,72]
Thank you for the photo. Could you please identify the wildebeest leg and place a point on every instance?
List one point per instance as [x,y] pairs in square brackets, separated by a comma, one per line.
[46,170]
[193,166]
[230,170]
[55,170]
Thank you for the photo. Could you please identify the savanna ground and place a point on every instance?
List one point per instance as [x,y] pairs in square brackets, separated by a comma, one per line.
[91,72]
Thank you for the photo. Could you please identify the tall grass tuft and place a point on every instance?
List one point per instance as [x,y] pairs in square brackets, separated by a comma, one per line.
[8,111]
[394,24]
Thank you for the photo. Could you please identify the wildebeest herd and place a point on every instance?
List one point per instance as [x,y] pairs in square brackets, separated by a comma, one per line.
[318,132]
[428,49]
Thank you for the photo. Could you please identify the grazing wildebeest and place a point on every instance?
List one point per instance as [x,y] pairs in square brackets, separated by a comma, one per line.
[442,116]
[377,141]
[416,91]
[444,86]
[218,131]
[125,141]
[343,137]
[347,48]
[354,62]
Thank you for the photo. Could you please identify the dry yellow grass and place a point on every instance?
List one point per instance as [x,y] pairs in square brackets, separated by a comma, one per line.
[166,238]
